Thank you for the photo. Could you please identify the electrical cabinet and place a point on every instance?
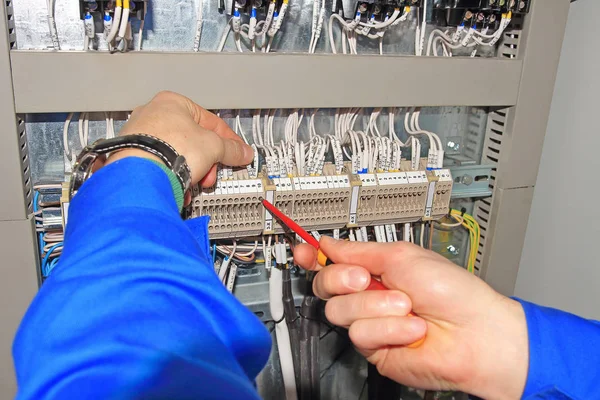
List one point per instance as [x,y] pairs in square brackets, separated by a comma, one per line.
[490,111]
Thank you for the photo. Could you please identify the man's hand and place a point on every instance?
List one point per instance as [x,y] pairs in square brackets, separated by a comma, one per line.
[476,339]
[200,136]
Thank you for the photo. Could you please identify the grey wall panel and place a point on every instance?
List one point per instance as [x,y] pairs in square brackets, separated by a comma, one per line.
[559,266]
[18,286]
[12,198]
[214,80]
[540,50]
[508,226]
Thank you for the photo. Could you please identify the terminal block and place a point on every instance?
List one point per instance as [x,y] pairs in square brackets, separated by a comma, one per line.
[402,196]
[391,197]
[442,191]
[315,202]
[234,207]
[99,7]
[322,202]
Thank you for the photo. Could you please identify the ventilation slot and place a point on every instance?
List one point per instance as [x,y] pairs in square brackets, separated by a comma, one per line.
[25,168]
[510,38]
[475,133]
[10,21]
[492,150]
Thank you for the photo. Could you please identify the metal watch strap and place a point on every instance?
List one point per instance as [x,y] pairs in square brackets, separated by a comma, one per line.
[153,145]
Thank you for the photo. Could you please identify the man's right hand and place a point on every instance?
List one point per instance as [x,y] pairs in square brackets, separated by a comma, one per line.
[476,339]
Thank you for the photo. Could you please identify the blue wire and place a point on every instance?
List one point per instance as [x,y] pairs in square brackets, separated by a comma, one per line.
[45,270]
[52,265]
[214,252]
[41,242]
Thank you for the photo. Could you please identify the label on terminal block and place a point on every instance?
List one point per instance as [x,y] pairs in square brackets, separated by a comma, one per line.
[444,175]
[353,205]
[269,195]
[268,257]
[430,196]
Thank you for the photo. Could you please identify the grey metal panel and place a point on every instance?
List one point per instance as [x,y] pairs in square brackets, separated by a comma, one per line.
[12,197]
[18,286]
[540,51]
[559,265]
[522,142]
[269,80]
[508,225]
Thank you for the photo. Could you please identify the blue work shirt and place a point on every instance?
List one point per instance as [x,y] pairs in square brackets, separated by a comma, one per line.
[135,310]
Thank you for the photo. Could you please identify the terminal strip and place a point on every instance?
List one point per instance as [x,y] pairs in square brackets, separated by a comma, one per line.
[328,201]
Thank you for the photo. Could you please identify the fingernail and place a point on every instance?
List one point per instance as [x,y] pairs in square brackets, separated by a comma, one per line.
[397,302]
[355,278]
[248,152]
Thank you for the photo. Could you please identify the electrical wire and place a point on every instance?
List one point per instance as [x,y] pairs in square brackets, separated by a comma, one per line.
[140,36]
[282,334]
[50,4]
[199,22]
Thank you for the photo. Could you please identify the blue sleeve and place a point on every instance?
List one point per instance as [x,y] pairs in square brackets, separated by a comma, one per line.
[134,308]
[564,355]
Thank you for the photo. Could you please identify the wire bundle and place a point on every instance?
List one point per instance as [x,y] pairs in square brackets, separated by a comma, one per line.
[50,243]
[354,27]
[471,39]
[467,221]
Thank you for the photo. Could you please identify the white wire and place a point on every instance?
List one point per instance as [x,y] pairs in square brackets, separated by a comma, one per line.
[115,25]
[224,35]
[50,4]
[282,334]
[422,235]
[123,24]
[68,154]
[199,22]
[423,28]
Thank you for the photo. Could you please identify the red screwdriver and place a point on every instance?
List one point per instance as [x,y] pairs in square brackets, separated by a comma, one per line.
[321,257]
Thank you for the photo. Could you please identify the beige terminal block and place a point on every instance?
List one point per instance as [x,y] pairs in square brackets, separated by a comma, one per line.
[323,202]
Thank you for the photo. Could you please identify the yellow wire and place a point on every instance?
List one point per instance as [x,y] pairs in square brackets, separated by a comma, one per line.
[119,3]
[474,237]
[125,3]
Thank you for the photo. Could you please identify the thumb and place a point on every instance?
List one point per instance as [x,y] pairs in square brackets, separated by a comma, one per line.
[233,152]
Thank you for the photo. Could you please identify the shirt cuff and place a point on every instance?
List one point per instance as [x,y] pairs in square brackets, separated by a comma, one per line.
[560,361]
[175,184]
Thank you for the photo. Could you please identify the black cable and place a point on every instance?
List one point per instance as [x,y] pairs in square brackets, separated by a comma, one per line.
[335,359]
[363,388]
[309,345]
[380,387]
[289,311]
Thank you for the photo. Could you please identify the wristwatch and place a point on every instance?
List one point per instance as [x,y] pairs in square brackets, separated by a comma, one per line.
[82,169]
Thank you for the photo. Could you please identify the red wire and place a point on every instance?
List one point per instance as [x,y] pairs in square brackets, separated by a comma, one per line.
[287,221]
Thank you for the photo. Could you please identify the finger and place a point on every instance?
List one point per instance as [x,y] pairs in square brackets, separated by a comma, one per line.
[305,256]
[345,310]
[234,153]
[371,334]
[339,279]
[210,178]
[371,255]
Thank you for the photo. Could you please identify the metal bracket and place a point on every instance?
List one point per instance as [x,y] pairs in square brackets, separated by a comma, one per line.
[471,181]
